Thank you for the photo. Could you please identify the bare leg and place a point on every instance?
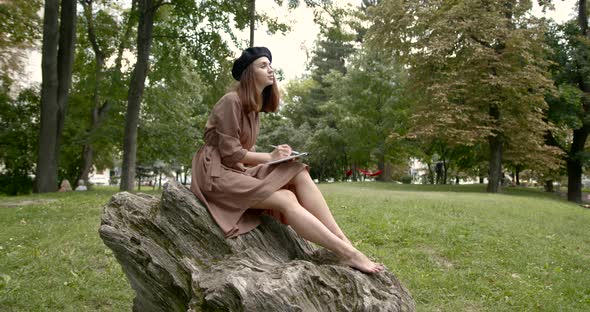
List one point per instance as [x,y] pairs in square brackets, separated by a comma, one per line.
[312,199]
[310,228]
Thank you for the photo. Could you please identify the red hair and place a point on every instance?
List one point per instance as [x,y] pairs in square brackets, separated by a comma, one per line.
[246,89]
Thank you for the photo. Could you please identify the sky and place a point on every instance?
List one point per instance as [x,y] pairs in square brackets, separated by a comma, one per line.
[290,50]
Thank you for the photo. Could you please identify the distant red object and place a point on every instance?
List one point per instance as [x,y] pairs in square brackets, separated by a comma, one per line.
[349,172]
[369,173]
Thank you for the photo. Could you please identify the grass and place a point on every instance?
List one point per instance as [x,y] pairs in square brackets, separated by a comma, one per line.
[455,248]
[459,249]
[52,259]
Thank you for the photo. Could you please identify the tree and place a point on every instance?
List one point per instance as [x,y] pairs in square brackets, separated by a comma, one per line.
[477,68]
[370,110]
[570,108]
[106,38]
[57,61]
[147,11]
[307,100]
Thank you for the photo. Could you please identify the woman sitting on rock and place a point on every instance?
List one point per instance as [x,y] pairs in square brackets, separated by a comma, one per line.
[236,185]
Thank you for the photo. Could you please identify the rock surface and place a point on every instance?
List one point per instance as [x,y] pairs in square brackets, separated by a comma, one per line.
[177,259]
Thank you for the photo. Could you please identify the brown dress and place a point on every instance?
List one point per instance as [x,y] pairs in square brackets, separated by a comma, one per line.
[222,182]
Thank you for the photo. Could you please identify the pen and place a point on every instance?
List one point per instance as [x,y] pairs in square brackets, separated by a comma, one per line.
[292,151]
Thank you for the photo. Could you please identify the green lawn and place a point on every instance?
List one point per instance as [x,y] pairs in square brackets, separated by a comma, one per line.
[455,248]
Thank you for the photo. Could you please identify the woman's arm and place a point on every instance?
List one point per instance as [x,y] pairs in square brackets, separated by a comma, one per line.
[255,158]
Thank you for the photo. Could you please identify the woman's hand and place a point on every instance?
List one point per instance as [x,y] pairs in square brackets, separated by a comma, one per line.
[281,151]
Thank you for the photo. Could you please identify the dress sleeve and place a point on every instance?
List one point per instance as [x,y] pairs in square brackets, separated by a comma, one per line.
[228,119]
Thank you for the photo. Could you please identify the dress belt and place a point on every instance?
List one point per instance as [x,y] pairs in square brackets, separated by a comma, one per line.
[212,165]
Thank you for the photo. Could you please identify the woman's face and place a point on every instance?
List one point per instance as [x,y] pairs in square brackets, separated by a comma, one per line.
[263,72]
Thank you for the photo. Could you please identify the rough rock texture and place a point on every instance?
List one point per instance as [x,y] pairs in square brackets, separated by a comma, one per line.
[177,259]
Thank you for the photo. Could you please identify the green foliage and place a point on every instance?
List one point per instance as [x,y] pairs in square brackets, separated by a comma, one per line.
[171,123]
[89,96]
[299,105]
[369,107]
[276,129]
[353,104]
[467,59]
[15,184]
[308,100]
[326,147]
[19,127]
[570,63]
[20,28]
[194,28]
[569,108]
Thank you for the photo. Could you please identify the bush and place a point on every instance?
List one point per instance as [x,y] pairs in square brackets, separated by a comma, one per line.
[15,185]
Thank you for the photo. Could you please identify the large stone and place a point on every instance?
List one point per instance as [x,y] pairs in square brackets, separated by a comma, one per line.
[177,259]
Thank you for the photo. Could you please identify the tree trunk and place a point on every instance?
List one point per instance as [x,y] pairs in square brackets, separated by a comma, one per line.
[584,31]
[46,171]
[65,63]
[177,259]
[147,11]
[87,156]
[496,140]
[445,171]
[252,21]
[574,165]
[385,168]
[549,186]
[495,163]
[57,60]
[386,174]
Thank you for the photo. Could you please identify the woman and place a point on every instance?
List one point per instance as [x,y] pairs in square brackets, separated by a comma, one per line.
[81,186]
[65,186]
[231,179]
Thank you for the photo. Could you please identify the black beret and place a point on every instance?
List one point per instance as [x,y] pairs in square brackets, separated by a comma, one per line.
[248,56]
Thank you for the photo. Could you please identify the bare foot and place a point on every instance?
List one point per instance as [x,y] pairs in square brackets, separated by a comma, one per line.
[357,260]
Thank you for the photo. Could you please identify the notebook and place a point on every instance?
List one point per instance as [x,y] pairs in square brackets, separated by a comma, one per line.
[282,160]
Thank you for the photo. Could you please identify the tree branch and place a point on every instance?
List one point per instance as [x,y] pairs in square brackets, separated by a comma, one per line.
[483,43]
[159,4]
[552,141]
